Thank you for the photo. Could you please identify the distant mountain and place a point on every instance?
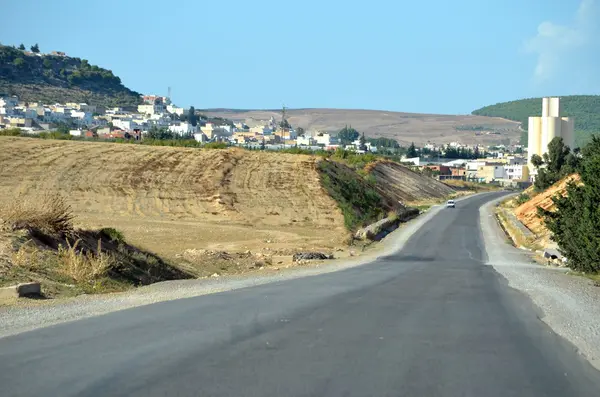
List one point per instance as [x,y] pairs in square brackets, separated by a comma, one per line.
[58,78]
[403,127]
[584,108]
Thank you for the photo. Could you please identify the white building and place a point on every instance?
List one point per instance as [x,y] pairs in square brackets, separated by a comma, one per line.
[81,118]
[325,139]
[305,141]
[157,108]
[261,130]
[183,129]
[175,110]
[516,171]
[8,104]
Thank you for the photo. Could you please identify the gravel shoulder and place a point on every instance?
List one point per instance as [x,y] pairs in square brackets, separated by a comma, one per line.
[570,305]
[28,315]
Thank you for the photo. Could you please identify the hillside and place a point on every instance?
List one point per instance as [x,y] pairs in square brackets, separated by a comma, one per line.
[402,184]
[187,205]
[55,78]
[585,109]
[527,212]
[404,127]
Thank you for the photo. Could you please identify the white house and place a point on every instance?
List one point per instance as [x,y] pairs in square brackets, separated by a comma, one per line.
[183,129]
[82,118]
[7,105]
[175,110]
[305,141]
[326,139]
[75,132]
[157,108]
[514,171]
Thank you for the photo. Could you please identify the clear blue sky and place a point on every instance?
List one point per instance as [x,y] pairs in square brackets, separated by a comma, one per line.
[433,56]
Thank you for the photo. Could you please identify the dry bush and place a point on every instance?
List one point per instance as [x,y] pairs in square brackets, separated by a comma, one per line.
[84,267]
[26,257]
[49,213]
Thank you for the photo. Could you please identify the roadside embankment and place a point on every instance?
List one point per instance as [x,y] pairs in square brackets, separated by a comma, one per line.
[569,305]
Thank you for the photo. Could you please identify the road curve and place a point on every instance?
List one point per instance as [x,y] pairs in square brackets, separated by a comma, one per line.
[430,320]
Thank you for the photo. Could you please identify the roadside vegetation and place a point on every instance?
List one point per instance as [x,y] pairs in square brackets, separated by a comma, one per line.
[39,243]
[576,219]
[359,201]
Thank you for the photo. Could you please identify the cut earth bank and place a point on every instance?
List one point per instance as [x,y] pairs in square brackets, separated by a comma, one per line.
[205,212]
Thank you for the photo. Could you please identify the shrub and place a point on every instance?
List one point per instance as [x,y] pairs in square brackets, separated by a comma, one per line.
[10,132]
[522,198]
[215,145]
[84,267]
[49,213]
[113,234]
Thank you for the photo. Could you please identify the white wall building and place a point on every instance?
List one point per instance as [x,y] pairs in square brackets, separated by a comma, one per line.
[516,171]
[183,129]
[305,141]
[175,110]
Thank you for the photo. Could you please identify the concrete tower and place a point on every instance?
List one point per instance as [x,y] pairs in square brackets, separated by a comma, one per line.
[543,129]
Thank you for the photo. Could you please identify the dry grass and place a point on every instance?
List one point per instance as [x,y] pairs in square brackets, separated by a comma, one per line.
[168,200]
[84,267]
[515,235]
[27,257]
[49,213]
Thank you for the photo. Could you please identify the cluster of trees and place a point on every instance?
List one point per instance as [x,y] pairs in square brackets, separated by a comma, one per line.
[34,48]
[348,135]
[576,221]
[449,153]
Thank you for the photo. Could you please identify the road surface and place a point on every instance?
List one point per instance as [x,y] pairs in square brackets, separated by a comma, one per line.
[430,320]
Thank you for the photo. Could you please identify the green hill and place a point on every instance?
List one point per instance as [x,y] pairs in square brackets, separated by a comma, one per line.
[584,108]
[57,78]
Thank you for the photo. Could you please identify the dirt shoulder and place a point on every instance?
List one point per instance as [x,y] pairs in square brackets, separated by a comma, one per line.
[569,304]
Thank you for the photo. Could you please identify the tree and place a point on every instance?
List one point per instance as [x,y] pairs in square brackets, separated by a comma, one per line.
[348,135]
[300,131]
[576,221]
[35,48]
[362,143]
[412,151]
[192,119]
[22,47]
[536,161]
[262,144]
[555,159]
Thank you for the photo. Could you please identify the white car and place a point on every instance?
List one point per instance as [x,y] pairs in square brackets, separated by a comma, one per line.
[450,204]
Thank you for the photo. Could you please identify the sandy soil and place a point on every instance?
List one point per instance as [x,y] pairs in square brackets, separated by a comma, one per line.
[527,212]
[169,200]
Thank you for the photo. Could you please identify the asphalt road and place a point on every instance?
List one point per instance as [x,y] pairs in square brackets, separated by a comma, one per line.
[431,320]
